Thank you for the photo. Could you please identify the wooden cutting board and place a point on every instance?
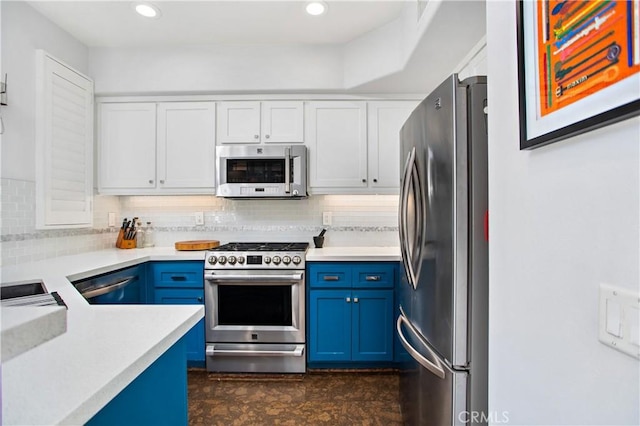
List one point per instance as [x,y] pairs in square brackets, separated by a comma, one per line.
[197,244]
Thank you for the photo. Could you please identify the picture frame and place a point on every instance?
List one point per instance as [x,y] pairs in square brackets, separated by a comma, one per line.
[578,67]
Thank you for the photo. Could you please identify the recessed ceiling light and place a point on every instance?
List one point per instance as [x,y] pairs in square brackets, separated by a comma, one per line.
[147,10]
[316,8]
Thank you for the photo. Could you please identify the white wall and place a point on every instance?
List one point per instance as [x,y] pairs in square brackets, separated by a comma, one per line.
[206,69]
[563,219]
[23,31]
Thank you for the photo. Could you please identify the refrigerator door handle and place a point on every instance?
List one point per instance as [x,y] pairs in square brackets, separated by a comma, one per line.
[434,367]
[402,216]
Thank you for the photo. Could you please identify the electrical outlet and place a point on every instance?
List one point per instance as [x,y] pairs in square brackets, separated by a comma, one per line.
[326,218]
[199,218]
[112,219]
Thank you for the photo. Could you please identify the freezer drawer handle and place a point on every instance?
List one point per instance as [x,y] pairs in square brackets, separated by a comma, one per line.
[212,351]
[434,368]
[373,278]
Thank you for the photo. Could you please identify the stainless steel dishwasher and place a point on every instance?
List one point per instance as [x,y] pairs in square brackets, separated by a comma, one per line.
[124,286]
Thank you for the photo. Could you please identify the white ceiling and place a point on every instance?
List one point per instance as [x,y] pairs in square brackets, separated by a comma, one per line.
[115,24]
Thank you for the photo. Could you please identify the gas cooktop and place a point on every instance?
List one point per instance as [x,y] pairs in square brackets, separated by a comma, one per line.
[262,247]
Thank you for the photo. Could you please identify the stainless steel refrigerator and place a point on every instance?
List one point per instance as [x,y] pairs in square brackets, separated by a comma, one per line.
[443,295]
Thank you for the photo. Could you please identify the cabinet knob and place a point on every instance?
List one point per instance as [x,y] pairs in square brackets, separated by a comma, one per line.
[355,300]
[199,299]
[151,181]
[267,136]
[256,136]
[348,300]
[364,180]
[161,180]
[375,181]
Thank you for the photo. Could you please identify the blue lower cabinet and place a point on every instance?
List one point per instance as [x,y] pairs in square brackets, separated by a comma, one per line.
[349,325]
[372,320]
[194,339]
[158,396]
[330,325]
[182,283]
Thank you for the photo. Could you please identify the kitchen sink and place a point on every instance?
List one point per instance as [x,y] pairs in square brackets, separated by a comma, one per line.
[21,289]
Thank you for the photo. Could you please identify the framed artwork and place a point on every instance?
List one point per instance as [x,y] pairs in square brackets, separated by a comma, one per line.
[578,66]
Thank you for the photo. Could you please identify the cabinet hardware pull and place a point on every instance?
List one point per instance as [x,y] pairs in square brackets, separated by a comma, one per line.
[256,136]
[348,300]
[199,299]
[151,181]
[161,180]
[364,180]
[375,181]
[267,136]
[355,300]
[178,278]
[372,278]
[331,278]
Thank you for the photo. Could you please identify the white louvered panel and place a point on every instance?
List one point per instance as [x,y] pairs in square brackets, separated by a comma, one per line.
[67,136]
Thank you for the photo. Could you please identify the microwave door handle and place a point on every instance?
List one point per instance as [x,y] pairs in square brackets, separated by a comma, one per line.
[287,170]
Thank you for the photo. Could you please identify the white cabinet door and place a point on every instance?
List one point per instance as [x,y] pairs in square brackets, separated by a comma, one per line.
[64,145]
[283,122]
[239,122]
[186,144]
[127,146]
[385,119]
[337,140]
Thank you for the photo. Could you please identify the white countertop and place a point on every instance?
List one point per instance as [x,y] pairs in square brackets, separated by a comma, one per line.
[71,377]
[360,254]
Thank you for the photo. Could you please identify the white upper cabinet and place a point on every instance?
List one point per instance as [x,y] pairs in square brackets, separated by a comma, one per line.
[64,145]
[354,147]
[163,148]
[336,137]
[385,119]
[260,122]
[186,145]
[127,146]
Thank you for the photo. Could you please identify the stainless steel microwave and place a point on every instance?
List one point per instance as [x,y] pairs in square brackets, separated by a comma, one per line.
[262,171]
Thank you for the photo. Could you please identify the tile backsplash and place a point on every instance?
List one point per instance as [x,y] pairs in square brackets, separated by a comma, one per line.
[369,220]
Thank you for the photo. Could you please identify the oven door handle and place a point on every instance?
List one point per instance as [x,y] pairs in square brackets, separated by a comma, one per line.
[212,351]
[247,278]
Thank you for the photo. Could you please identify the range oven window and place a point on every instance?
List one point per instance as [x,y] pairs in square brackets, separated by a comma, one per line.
[266,170]
[254,305]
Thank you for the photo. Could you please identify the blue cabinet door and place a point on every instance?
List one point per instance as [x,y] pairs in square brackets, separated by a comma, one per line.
[194,339]
[329,325]
[372,317]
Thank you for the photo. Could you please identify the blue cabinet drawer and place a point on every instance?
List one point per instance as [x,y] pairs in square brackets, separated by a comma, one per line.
[373,275]
[330,275]
[188,274]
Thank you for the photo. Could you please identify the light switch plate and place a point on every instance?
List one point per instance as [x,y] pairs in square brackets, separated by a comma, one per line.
[112,219]
[618,322]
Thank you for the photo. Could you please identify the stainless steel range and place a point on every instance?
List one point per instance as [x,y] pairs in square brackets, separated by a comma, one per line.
[255,307]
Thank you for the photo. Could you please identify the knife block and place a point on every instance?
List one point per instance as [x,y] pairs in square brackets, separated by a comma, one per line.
[121,243]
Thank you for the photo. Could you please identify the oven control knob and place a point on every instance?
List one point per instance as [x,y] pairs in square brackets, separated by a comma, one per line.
[222,260]
[213,260]
[296,260]
[241,260]
[276,260]
[232,260]
[286,260]
[267,260]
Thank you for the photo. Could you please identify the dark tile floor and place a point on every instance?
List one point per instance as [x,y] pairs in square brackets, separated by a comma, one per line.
[316,398]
